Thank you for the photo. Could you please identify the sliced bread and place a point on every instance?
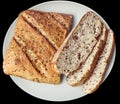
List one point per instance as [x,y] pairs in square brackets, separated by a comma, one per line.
[80,75]
[79,43]
[95,80]
[53,26]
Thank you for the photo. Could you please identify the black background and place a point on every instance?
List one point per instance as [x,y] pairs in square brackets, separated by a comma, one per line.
[108,91]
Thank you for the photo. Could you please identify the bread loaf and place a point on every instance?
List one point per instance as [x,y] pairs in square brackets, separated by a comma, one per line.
[95,80]
[80,75]
[29,53]
[37,50]
[79,43]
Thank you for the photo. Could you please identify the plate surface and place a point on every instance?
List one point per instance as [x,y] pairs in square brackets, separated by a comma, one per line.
[62,92]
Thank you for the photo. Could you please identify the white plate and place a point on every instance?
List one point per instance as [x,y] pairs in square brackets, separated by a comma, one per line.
[62,92]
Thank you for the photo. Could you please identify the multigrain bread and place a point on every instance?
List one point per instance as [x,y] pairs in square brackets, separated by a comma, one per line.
[95,80]
[53,26]
[32,51]
[79,76]
[79,43]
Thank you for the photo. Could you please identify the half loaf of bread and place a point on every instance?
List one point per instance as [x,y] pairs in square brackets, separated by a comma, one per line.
[30,51]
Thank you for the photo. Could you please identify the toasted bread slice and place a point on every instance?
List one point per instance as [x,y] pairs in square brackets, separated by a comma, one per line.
[37,50]
[53,26]
[95,80]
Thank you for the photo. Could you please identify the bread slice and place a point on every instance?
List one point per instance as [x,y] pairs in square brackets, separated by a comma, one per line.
[95,80]
[79,43]
[37,50]
[53,26]
[80,75]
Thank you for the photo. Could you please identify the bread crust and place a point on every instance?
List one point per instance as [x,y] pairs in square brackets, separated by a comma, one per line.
[37,49]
